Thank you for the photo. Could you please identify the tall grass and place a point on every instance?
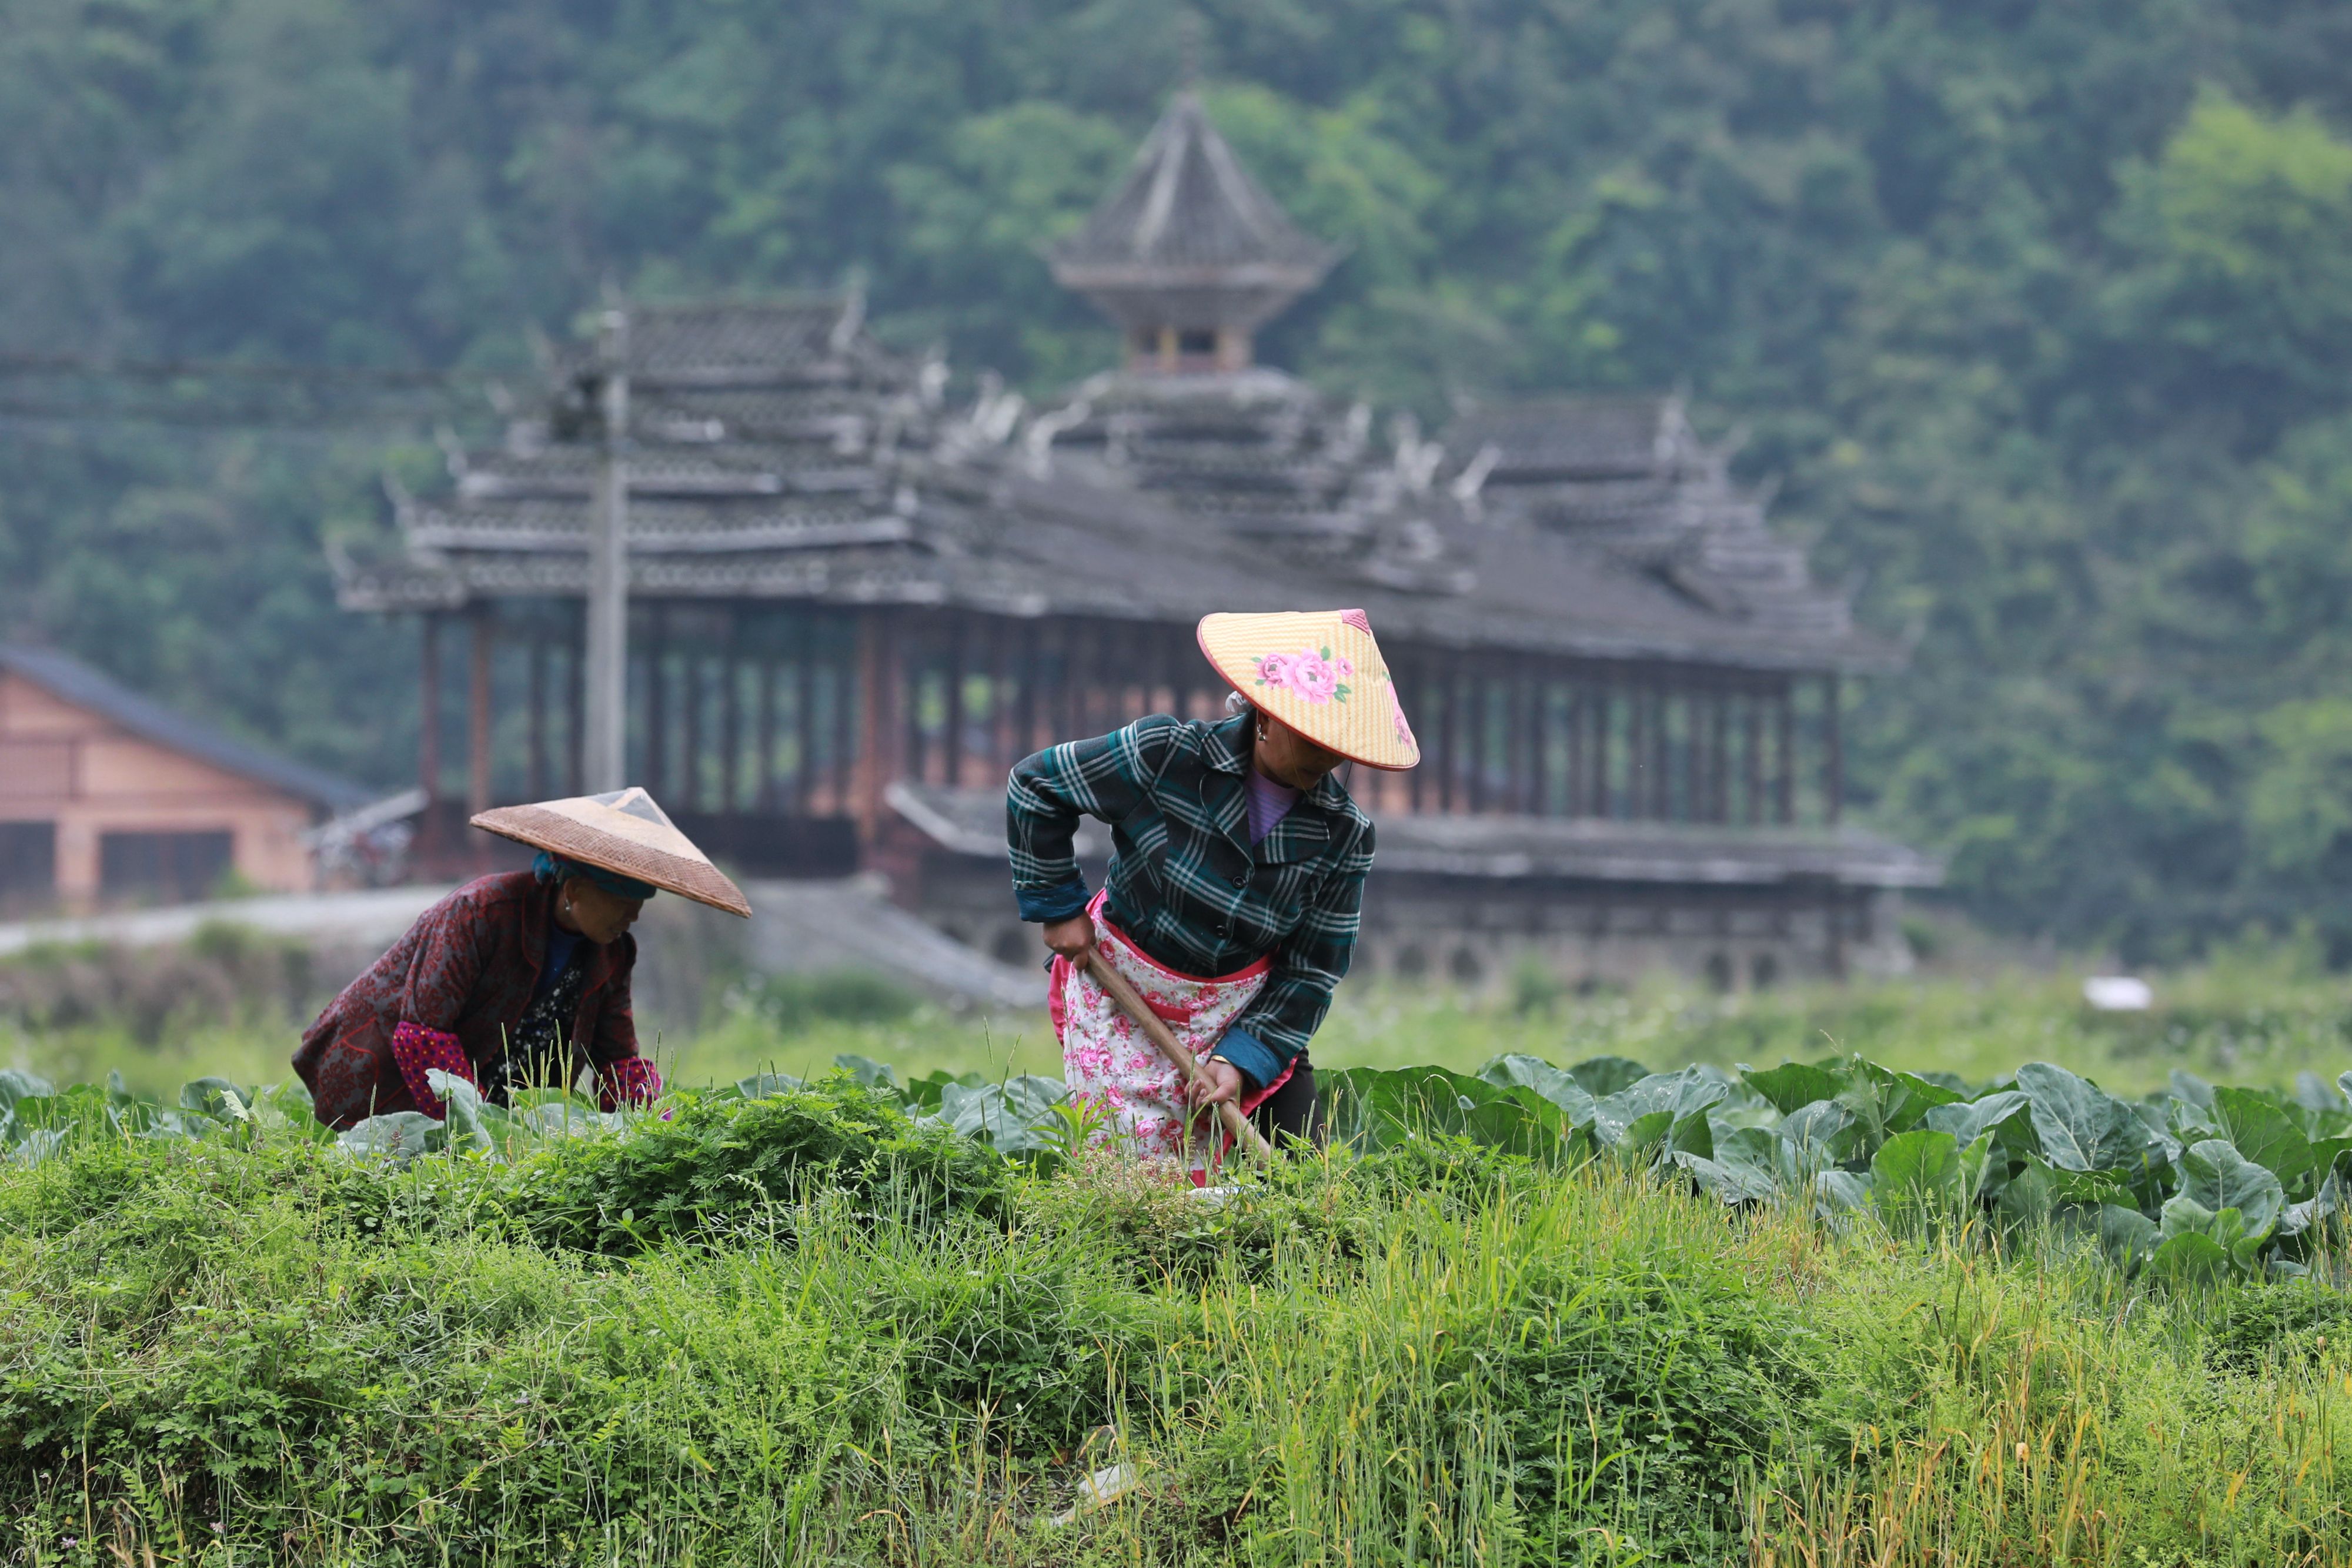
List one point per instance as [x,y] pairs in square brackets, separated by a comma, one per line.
[2042,1413]
[1436,1355]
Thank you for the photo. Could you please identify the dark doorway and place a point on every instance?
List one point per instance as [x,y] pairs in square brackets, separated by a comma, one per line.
[176,866]
[28,860]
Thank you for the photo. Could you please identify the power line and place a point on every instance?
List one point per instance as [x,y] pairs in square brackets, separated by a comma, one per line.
[323,423]
[86,391]
[28,417]
[204,369]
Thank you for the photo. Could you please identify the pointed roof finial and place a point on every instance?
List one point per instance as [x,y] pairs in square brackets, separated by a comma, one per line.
[1189,239]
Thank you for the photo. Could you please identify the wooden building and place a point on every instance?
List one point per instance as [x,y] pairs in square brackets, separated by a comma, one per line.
[107,797]
[855,605]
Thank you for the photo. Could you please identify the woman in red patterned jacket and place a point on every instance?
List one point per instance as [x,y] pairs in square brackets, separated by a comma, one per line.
[517,980]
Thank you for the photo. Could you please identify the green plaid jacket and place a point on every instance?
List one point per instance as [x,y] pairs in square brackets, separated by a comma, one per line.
[1186,882]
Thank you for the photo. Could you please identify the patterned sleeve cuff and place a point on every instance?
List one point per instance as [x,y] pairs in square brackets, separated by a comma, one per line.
[631,1080]
[417,1050]
[1253,1056]
[1057,903]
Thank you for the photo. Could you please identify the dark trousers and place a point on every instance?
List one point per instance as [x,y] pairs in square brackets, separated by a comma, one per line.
[1290,1111]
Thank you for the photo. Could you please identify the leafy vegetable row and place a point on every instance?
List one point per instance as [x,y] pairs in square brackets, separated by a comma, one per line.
[2194,1181]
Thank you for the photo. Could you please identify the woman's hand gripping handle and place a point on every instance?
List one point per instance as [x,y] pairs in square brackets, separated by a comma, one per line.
[1073,938]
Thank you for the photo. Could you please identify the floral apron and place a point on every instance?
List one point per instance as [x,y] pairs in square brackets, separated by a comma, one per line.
[1107,1061]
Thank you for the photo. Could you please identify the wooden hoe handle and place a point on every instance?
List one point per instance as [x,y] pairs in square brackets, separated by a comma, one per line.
[1156,1031]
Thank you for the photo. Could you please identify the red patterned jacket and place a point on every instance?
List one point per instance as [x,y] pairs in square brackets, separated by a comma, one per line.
[467,967]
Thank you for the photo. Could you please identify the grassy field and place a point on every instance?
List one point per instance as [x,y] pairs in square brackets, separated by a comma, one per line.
[875,1343]
[802,1330]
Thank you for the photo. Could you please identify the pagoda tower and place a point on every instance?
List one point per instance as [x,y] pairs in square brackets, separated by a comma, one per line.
[1188,256]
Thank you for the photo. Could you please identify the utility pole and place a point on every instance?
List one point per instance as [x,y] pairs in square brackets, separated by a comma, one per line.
[605,673]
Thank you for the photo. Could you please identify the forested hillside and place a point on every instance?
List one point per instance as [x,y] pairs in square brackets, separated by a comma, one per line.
[2039,314]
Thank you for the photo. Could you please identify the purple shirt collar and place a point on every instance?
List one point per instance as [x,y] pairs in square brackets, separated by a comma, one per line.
[1269,802]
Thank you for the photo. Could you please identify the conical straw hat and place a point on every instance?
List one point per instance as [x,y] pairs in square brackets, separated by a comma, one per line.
[1320,672]
[624,832]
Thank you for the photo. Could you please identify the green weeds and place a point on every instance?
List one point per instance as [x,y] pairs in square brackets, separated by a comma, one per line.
[806,1325]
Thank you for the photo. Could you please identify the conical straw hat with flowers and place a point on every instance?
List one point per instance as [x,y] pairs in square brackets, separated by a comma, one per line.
[1320,672]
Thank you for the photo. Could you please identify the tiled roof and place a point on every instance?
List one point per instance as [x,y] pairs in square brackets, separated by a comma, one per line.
[780,341]
[1157,498]
[1188,205]
[1580,438]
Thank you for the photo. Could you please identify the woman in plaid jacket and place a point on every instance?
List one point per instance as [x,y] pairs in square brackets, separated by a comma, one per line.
[1236,877]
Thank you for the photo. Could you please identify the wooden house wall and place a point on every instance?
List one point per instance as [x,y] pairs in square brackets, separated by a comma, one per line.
[92,783]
